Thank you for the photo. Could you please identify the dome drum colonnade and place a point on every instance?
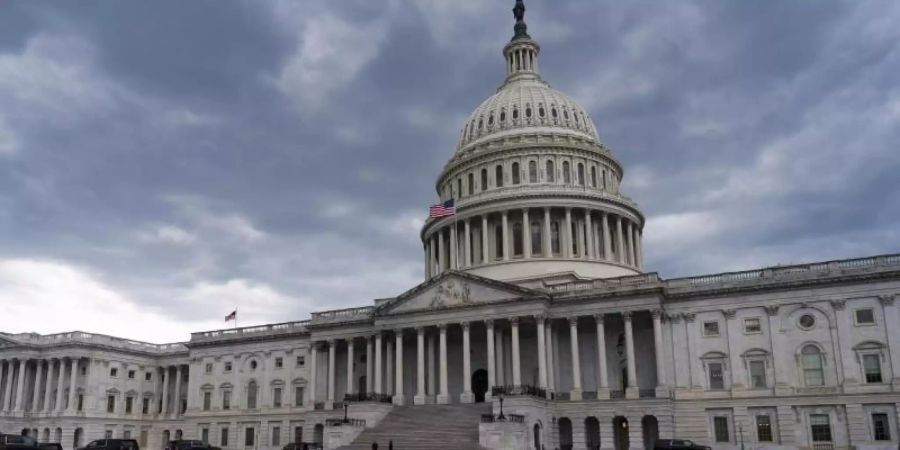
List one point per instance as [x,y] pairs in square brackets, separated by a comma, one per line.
[534,186]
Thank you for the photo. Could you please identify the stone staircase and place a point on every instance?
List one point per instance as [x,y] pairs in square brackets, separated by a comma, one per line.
[426,427]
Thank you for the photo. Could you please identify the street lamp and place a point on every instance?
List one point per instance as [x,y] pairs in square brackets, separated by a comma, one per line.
[346,406]
[501,416]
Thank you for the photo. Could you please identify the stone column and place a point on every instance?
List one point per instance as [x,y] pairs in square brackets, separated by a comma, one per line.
[567,251]
[541,352]
[468,243]
[20,387]
[491,362]
[419,398]
[454,247]
[441,264]
[466,396]
[485,247]
[551,364]
[36,397]
[548,240]
[431,254]
[48,387]
[661,385]
[313,372]
[632,390]
[576,359]
[526,234]
[350,360]
[638,252]
[399,399]
[7,389]
[332,356]
[630,237]
[892,326]
[443,398]
[620,244]
[602,371]
[516,356]
[72,380]
[370,364]
[60,386]
[389,367]
[378,368]
[589,231]
[164,382]
[176,409]
[505,222]
[432,363]
[498,341]
[607,245]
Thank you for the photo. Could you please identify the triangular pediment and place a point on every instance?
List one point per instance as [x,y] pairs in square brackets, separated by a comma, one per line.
[455,290]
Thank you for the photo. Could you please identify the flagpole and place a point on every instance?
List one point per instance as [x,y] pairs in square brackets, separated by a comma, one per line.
[235,318]
[456,233]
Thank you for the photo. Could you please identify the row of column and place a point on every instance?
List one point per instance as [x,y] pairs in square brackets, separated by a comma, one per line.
[607,238]
[16,373]
[165,374]
[495,353]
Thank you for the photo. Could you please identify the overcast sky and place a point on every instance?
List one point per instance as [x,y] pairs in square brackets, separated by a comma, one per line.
[163,162]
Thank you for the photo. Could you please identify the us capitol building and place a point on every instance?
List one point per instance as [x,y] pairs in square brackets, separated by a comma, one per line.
[535,293]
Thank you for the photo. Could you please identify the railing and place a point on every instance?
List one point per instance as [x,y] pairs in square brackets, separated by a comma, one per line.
[342,315]
[360,423]
[608,283]
[512,418]
[97,339]
[319,405]
[526,390]
[368,397]
[647,393]
[564,396]
[823,446]
[589,395]
[616,395]
[297,326]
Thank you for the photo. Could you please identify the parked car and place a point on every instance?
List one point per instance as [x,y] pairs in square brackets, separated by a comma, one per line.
[50,446]
[112,444]
[17,442]
[302,446]
[189,444]
[678,444]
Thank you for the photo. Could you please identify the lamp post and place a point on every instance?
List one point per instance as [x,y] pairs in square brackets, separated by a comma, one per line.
[346,406]
[501,416]
[741,434]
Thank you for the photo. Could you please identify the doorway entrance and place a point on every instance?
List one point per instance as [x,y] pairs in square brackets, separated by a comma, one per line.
[620,432]
[650,427]
[479,385]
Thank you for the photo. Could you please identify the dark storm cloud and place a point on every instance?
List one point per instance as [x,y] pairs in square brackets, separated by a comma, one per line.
[187,157]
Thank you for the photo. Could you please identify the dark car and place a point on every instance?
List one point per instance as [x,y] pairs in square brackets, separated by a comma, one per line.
[189,444]
[50,446]
[112,444]
[16,442]
[302,446]
[678,444]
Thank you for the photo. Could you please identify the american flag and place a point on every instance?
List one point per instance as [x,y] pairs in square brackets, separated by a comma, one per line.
[232,316]
[442,209]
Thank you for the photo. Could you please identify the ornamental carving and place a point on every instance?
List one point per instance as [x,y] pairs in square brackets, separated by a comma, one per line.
[448,293]
[886,300]
[771,310]
[838,305]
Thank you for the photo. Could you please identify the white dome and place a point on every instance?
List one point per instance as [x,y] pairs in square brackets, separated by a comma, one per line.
[524,104]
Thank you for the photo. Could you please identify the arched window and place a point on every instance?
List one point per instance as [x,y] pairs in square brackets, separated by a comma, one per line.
[515,113]
[484,181]
[518,239]
[593,176]
[502,116]
[580,174]
[515,173]
[565,432]
[458,187]
[566,114]
[498,242]
[554,113]
[498,176]
[480,124]
[470,186]
[811,359]
[491,119]
[592,433]
[551,172]
[554,237]
[251,395]
[541,111]
[567,174]
[603,179]
[528,111]
[532,171]
[536,241]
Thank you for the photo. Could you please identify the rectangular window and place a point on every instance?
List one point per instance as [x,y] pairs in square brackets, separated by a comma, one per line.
[130,374]
[148,376]
[143,438]
[110,403]
[108,434]
[126,434]
[228,366]
[763,429]
[226,400]
[113,372]
[276,398]
[83,370]
[298,434]
[279,362]
[276,436]
[752,325]
[865,316]
[204,435]
[249,436]
[301,361]
[716,378]
[207,400]
[298,396]
[720,429]
[80,402]
[209,367]
[881,429]
[711,328]
[145,407]
[872,366]
[223,437]
[820,427]
[129,404]
[758,374]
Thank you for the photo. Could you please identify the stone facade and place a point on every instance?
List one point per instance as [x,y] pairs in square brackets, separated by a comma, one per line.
[535,300]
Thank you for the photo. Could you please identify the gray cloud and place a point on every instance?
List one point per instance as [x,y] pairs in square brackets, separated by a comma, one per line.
[182,158]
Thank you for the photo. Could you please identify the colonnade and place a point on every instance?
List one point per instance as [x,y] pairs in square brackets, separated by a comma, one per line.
[176,391]
[21,373]
[496,354]
[566,233]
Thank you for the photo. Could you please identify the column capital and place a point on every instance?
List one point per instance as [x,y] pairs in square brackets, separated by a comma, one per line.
[688,317]
[542,317]
[598,317]
[350,340]
[657,313]
[514,320]
[886,300]
[772,310]
[674,317]
[465,325]
[838,305]
[399,331]
[547,209]
[489,323]
[573,320]
[330,343]
[442,327]
[729,313]
[626,315]
[420,330]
